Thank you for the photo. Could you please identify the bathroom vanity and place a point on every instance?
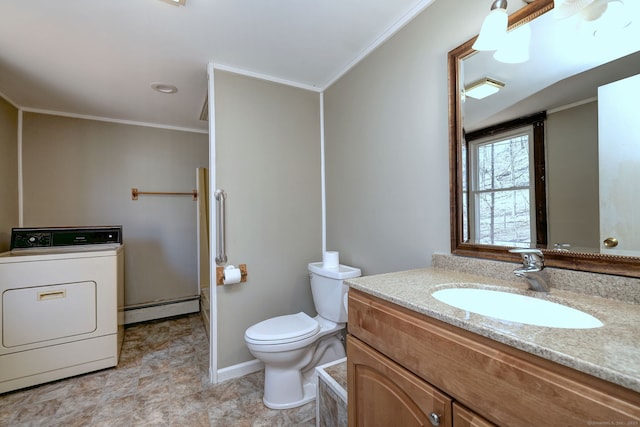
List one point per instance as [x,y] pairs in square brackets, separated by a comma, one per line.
[413,360]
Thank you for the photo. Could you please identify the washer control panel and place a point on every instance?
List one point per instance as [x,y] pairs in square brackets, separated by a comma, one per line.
[25,238]
[31,240]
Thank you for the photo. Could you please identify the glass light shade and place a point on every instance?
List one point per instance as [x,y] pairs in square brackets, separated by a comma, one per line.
[515,49]
[595,10]
[566,8]
[493,31]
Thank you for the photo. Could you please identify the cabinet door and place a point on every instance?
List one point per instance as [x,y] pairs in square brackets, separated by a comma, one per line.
[382,393]
[462,417]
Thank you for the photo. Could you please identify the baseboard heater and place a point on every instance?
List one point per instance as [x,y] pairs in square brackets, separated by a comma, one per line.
[161,309]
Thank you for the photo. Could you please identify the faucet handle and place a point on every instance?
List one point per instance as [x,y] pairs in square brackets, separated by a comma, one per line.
[532,258]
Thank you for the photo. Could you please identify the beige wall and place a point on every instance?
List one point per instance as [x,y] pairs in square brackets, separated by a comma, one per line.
[387,158]
[8,172]
[268,162]
[572,170]
[80,172]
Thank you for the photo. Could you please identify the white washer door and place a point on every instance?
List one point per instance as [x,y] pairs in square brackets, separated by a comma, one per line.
[32,315]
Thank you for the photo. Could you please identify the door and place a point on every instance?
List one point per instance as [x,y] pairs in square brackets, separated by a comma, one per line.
[619,166]
[38,314]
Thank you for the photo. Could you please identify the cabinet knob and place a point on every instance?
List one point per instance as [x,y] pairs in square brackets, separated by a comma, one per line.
[610,242]
[434,418]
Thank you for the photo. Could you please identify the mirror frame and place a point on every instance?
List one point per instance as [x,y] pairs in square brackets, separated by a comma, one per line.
[591,262]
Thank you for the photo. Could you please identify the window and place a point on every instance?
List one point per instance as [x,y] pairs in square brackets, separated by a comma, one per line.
[502,189]
[504,200]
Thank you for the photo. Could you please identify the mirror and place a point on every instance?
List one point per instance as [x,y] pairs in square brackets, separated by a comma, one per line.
[554,97]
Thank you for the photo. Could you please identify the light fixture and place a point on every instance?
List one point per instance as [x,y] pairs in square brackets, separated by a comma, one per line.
[494,27]
[483,88]
[567,8]
[609,14]
[176,2]
[515,49]
[613,20]
[164,88]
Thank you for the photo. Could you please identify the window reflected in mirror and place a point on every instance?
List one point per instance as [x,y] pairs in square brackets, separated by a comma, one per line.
[499,191]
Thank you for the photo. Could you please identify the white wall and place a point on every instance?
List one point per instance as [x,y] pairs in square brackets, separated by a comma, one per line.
[387,144]
[572,176]
[80,172]
[268,162]
[8,172]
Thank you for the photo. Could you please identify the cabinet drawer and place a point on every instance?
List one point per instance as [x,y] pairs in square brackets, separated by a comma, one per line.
[500,383]
[384,394]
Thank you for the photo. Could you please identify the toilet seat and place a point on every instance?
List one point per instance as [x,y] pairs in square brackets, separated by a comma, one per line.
[282,329]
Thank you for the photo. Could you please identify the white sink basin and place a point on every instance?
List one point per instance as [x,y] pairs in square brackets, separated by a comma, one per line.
[517,308]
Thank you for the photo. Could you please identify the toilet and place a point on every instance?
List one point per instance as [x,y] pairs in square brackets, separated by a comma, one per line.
[292,346]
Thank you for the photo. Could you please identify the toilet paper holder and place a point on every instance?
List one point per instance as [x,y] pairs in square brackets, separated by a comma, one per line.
[220,274]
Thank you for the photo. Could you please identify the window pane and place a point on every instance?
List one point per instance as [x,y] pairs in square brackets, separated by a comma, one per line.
[504,164]
[465,196]
[504,217]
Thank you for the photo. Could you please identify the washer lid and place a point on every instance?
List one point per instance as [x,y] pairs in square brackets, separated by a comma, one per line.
[290,327]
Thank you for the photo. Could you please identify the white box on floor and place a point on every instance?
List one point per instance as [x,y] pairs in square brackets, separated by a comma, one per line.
[331,392]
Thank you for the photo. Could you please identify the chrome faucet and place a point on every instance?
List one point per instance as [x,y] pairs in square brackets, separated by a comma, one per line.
[532,268]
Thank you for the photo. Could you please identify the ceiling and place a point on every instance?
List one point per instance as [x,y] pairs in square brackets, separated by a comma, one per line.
[566,65]
[98,58]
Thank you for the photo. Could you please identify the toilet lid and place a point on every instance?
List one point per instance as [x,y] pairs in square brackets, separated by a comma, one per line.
[291,327]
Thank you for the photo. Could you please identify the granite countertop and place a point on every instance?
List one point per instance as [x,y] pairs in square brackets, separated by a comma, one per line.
[611,352]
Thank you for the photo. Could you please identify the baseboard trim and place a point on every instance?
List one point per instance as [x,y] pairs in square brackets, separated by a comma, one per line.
[239,370]
[160,311]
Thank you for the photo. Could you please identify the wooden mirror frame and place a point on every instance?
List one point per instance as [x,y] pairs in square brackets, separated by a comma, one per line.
[592,262]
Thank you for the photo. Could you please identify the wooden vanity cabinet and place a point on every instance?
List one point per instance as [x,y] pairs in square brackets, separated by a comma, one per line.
[403,366]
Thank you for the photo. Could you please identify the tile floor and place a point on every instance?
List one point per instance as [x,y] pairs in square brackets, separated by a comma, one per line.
[161,380]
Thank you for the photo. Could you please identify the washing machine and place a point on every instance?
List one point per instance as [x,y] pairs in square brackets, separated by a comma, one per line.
[62,307]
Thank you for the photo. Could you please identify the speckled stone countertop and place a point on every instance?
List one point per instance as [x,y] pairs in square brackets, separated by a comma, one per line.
[611,352]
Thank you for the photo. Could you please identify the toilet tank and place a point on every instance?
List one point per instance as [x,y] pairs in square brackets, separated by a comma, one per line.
[328,289]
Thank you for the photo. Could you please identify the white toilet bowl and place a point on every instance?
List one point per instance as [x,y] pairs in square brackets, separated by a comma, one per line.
[292,346]
[290,362]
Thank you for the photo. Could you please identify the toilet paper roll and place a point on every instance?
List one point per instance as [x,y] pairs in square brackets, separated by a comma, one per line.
[231,275]
[331,259]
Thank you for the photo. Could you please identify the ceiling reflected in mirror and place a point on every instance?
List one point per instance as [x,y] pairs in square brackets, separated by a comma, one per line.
[561,49]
